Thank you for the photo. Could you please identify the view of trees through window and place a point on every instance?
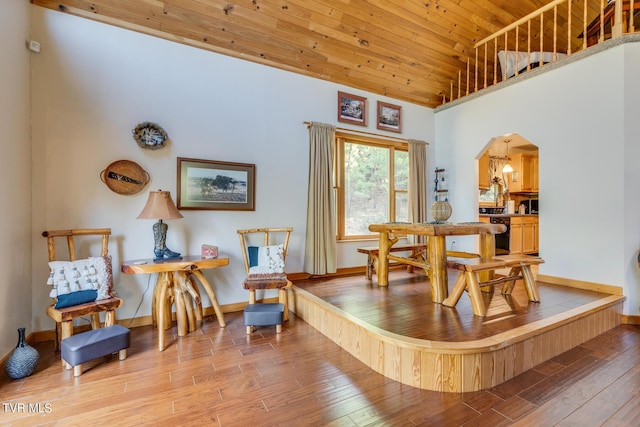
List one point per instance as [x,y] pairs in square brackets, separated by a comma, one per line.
[374,187]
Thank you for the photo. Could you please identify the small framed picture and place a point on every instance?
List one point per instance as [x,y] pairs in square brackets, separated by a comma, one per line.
[214,185]
[352,109]
[389,117]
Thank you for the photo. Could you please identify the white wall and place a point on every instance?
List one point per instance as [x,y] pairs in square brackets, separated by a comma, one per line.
[583,117]
[93,83]
[15,175]
[631,162]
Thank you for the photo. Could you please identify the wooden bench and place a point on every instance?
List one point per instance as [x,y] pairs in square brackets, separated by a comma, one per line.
[418,254]
[468,278]
[417,257]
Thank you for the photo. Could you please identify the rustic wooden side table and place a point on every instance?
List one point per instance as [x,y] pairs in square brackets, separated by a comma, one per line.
[178,278]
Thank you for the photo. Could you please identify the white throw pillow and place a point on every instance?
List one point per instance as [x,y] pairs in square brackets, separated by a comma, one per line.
[83,274]
[270,260]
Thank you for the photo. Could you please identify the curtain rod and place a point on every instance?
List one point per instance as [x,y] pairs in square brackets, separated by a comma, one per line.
[377,135]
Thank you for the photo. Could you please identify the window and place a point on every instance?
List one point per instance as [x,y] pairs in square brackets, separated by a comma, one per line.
[372,184]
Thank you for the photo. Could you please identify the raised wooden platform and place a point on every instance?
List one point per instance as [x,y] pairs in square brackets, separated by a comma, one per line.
[398,332]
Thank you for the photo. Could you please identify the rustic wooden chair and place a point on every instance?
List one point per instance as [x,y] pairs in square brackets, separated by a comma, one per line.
[259,277]
[64,316]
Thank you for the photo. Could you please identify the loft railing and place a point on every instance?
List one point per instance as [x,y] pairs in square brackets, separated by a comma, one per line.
[546,35]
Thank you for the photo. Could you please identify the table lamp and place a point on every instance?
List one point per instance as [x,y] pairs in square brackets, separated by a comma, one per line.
[160,206]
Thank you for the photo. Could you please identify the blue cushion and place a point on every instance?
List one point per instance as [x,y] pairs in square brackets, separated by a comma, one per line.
[75,298]
[253,255]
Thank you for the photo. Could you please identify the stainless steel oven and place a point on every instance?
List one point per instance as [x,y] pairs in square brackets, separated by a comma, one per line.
[502,240]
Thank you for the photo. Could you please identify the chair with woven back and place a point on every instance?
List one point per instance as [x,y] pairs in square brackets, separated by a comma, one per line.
[81,287]
[264,262]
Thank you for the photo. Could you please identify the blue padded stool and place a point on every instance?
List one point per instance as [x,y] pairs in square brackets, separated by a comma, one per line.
[80,348]
[264,315]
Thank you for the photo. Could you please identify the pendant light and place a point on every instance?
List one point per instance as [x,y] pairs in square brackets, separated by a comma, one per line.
[507,167]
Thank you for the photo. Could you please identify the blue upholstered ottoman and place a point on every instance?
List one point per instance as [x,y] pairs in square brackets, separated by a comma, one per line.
[86,346]
[264,315]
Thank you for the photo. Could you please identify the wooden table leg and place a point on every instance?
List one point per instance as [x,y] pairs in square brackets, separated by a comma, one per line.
[179,301]
[161,306]
[164,280]
[192,287]
[212,296]
[383,260]
[438,268]
[191,299]
[487,251]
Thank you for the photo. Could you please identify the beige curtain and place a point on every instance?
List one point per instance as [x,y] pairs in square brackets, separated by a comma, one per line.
[320,245]
[417,184]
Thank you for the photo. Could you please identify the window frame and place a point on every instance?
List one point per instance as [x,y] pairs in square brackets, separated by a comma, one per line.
[339,178]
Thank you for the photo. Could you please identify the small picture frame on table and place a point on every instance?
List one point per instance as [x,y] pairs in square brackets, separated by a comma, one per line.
[352,109]
[389,117]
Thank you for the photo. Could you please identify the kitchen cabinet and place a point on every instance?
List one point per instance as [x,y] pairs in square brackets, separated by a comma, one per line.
[484,179]
[528,236]
[535,174]
[524,177]
[523,237]
[515,236]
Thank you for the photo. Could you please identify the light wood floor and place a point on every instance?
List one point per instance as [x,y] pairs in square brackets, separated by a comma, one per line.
[222,377]
[405,307]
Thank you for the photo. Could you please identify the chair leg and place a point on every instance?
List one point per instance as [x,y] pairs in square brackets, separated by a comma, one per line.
[58,332]
[252,296]
[110,318]
[284,300]
[66,330]
[95,321]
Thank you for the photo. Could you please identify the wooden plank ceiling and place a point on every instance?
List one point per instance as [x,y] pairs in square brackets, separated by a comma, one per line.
[410,50]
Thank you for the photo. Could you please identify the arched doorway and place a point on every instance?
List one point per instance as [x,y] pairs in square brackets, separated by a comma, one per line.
[510,197]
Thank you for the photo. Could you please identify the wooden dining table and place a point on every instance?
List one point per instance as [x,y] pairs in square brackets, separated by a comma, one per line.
[177,283]
[436,234]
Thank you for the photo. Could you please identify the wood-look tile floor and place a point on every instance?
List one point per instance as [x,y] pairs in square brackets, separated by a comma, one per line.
[222,377]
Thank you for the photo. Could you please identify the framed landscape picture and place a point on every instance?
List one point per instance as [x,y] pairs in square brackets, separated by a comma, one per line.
[215,185]
[389,117]
[352,109]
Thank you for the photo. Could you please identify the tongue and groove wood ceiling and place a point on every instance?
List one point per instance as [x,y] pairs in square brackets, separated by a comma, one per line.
[405,49]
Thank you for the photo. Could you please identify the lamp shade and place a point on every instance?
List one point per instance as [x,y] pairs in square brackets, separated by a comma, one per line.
[159,206]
